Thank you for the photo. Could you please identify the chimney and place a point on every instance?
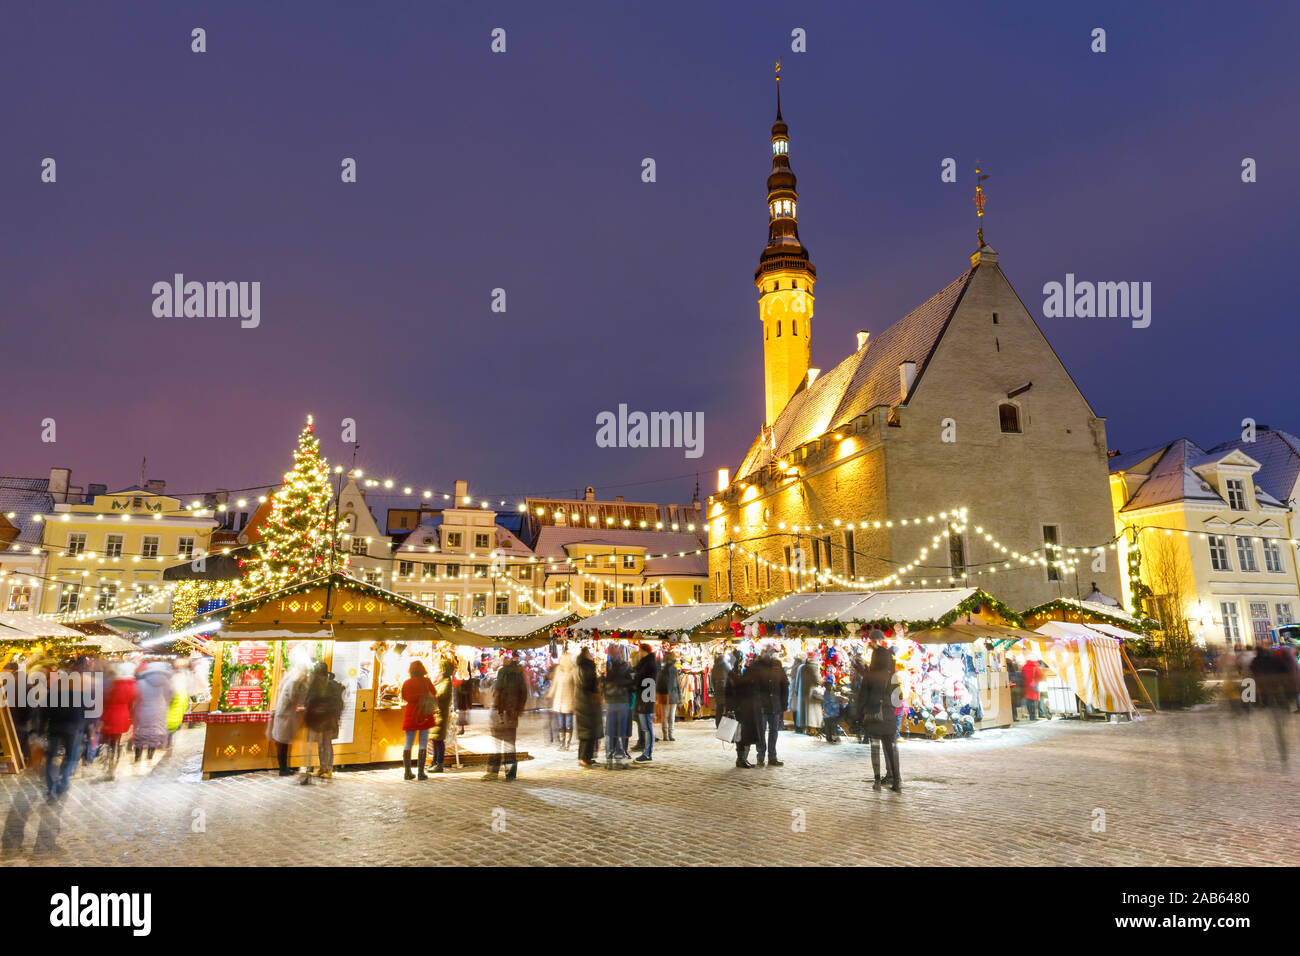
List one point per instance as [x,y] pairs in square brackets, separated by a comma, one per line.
[155,486]
[906,376]
[862,339]
[811,377]
[58,488]
[462,492]
[618,497]
[589,494]
[93,490]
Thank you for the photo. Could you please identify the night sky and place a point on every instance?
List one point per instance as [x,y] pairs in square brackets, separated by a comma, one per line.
[523,171]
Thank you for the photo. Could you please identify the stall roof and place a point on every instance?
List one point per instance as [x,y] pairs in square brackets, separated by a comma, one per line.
[810,608]
[664,619]
[961,633]
[1068,629]
[1091,611]
[110,644]
[1114,631]
[32,627]
[335,607]
[518,626]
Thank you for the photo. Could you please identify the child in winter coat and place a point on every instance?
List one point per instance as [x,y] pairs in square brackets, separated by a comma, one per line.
[832,708]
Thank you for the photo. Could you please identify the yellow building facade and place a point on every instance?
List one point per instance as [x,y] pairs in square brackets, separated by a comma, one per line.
[106,558]
[1213,547]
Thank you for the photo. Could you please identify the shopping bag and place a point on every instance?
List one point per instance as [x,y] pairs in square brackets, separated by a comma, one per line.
[728,730]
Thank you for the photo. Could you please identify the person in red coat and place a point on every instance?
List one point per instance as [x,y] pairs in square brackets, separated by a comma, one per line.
[1030,675]
[116,719]
[417,719]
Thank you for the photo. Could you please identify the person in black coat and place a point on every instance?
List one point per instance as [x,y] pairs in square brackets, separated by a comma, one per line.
[773,687]
[744,705]
[586,709]
[881,719]
[645,681]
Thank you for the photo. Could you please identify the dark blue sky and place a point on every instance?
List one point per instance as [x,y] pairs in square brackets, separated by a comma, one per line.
[522,171]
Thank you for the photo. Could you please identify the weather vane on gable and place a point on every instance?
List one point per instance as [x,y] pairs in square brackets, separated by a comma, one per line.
[980,200]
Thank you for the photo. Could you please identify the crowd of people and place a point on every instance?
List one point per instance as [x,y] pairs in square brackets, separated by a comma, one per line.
[112,707]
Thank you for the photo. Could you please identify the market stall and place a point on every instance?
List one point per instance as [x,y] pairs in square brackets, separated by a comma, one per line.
[530,636]
[1090,663]
[946,642]
[367,637]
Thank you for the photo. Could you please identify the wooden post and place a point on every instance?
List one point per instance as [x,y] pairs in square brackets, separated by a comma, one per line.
[11,753]
[1138,680]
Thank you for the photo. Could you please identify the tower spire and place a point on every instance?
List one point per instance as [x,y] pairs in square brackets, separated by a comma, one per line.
[778,87]
[980,200]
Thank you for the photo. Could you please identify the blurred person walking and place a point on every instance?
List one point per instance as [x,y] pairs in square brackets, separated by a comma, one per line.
[718,677]
[116,721]
[64,718]
[1030,675]
[509,695]
[286,721]
[324,708]
[884,713]
[180,703]
[1275,688]
[645,686]
[442,691]
[832,708]
[564,691]
[773,688]
[669,693]
[418,719]
[617,690]
[586,709]
[154,696]
[743,704]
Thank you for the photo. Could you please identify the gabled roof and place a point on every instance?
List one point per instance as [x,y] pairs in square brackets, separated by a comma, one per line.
[1172,477]
[1278,454]
[866,379]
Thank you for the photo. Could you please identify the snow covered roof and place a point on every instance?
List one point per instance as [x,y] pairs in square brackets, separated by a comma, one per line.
[1278,454]
[866,379]
[26,497]
[516,626]
[664,619]
[863,606]
[822,606]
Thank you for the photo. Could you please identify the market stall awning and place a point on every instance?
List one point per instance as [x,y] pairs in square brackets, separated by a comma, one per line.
[110,644]
[335,607]
[1121,633]
[1092,663]
[965,633]
[910,606]
[517,627]
[32,627]
[667,619]
[1087,612]
[820,608]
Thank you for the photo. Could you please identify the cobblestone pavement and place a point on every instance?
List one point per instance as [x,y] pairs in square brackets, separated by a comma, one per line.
[1187,788]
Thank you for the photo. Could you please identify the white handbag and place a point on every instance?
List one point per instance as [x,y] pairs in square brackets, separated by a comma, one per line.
[728,730]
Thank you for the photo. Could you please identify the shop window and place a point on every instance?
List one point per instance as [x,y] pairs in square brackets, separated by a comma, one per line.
[1009,418]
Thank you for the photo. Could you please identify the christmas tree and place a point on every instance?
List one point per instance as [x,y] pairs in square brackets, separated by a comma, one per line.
[297,537]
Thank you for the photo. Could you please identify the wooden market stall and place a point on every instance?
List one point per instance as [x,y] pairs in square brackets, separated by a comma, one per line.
[366,635]
[947,645]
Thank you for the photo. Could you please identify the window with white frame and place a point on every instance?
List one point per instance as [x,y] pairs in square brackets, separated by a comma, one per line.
[374,577]
[697,591]
[502,604]
[654,595]
[359,546]
[107,597]
[1231,620]
[20,598]
[1219,553]
[1273,556]
[629,594]
[608,594]
[561,592]
[69,598]
[1284,613]
[77,542]
[113,546]
[405,568]
[453,539]
[185,546]
[482,541]
[149,546]
[478,605]
[451,604]
[1260,626]
[1236,494]
[453,570]
[1246,554]
[589,592]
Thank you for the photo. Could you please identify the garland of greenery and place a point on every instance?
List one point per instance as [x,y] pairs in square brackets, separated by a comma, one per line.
[971,605]
[343,583]
[1057,604]
[675,630]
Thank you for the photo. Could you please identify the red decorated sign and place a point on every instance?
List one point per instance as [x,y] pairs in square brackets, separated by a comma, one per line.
[245,697]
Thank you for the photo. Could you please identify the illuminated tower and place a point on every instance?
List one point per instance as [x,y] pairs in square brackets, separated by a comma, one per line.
[785,278]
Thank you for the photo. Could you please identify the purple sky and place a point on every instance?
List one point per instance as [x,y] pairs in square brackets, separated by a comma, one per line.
[522,171]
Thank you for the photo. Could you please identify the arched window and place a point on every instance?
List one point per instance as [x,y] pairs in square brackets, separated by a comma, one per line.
[1009,418]
[778,328]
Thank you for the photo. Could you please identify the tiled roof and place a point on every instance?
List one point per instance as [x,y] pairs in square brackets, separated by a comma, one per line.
[866,379]
[1278,454]
[26,497]
[1130,460]
[1172,479]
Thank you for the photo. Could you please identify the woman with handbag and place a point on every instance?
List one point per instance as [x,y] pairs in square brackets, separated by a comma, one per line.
[883,707]
[421,714]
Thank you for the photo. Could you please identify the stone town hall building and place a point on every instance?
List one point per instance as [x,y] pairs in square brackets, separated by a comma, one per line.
[961,403]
